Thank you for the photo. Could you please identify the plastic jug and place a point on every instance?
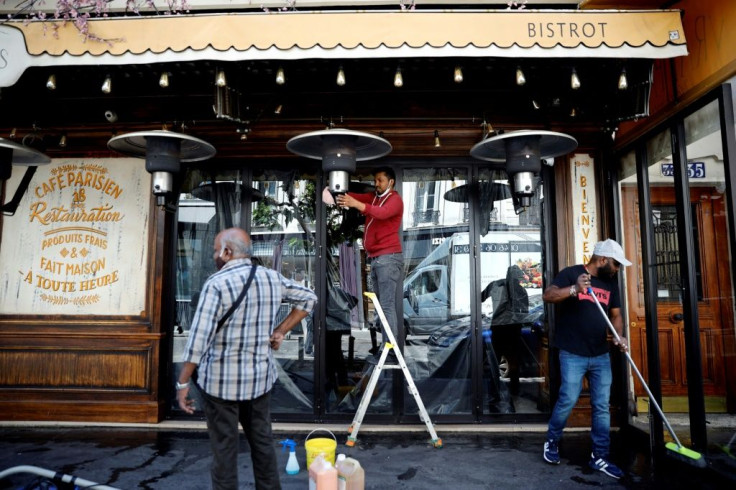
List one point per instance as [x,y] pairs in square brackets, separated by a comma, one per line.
[350,475]
[322,475]
[292,465]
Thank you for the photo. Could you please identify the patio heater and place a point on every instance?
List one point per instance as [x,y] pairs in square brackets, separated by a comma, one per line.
[164,151]
[339,149]
[523,152]
[12,153]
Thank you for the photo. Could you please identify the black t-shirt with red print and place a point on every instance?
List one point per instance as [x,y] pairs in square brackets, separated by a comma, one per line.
[580,327]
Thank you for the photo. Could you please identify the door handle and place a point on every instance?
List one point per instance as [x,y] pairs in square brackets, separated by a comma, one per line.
[676,317]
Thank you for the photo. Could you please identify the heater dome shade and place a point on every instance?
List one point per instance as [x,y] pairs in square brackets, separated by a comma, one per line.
[16,154]
[318,144]
[489,191]
[191,149]
[361,187]
[206,191]
[545,144]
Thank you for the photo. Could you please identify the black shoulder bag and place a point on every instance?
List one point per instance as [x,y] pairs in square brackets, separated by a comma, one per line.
[238,300]
[230,311]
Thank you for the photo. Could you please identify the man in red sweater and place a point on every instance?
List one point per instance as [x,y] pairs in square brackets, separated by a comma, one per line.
[382,242]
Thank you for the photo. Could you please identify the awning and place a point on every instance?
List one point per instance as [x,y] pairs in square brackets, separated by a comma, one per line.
[302,35]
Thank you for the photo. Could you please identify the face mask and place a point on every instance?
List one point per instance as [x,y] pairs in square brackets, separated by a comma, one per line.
[384,193]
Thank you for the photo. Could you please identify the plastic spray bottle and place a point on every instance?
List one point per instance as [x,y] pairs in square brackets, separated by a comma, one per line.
[292,466]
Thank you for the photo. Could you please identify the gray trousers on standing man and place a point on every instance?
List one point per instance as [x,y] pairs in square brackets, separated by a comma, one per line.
[387,281]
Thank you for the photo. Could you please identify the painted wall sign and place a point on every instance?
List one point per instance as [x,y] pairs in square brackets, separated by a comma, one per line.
[584,209]
[78,244]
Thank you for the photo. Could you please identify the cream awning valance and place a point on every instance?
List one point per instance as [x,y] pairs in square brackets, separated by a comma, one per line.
[301,35]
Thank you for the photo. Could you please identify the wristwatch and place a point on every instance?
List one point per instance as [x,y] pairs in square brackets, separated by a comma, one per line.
[573,290]
[181,386]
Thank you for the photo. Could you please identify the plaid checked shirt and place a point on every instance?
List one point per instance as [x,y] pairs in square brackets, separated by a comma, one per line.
[237,363]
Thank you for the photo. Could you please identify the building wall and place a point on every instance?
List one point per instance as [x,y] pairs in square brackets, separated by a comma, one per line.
[711,60]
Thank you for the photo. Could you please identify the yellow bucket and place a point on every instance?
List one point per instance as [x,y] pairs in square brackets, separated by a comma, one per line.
[320,445]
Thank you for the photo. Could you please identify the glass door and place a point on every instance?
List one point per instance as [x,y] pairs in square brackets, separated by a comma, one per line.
[706,309]
[282,226]
[278,210]
[511,265]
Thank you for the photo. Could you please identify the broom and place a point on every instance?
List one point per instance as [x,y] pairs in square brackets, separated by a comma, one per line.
[676,448]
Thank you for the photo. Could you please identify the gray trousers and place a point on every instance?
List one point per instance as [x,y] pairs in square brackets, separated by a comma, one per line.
[387,281]
[222,425]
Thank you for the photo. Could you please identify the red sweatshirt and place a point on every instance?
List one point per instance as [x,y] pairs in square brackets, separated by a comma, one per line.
[382,222]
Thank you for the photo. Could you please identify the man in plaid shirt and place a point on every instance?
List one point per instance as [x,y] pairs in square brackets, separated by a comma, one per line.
[236,367]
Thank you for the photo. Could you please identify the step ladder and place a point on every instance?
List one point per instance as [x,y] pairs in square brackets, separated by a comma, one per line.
[391,345]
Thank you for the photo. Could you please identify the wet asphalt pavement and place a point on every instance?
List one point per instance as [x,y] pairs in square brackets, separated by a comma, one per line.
[128,458]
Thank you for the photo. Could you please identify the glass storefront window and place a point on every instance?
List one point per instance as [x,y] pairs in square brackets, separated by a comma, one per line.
[437,295]
[511,266]
[208,203]
[438,334]
[282,230]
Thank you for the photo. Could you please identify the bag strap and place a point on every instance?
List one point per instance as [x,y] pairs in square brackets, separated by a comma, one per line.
[239,300]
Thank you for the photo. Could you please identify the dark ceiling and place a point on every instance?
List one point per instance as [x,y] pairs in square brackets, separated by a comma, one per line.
[430,100]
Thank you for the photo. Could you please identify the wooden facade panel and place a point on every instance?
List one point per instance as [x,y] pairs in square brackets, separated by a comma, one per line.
[82,411]
[79,369]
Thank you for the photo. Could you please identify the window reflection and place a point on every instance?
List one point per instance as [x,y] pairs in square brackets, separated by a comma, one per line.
[282,231]
[512,308]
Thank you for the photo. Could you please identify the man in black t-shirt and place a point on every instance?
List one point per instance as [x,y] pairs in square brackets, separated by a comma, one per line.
[581,335]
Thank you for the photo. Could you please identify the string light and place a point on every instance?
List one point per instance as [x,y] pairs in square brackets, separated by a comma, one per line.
[574,80]
[398,79]
[277,111]
[340,77]
[163,81]
[458,75]
[12,133]
[520,78]
[62,141]
[437,142]
[280,76]
[107,85]
[220,79]
[535,104]
[623,82]
[51,82]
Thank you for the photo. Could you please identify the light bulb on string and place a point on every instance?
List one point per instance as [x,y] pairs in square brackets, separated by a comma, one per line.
[163,81]
[280,76]
[340,77]
[398,79]
[107,85]
[520,78]
[574,80]
[220,79]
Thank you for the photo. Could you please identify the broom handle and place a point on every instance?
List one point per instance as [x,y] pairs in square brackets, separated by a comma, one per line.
[652,400]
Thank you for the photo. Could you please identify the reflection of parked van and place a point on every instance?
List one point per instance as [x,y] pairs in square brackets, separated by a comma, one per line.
[438,289]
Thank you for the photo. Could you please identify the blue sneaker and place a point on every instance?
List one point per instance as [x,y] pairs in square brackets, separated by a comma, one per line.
[551,452]
[601,464]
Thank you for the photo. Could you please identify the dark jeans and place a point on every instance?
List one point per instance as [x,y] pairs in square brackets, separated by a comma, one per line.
[222,424]
[387,279]
[572,370]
